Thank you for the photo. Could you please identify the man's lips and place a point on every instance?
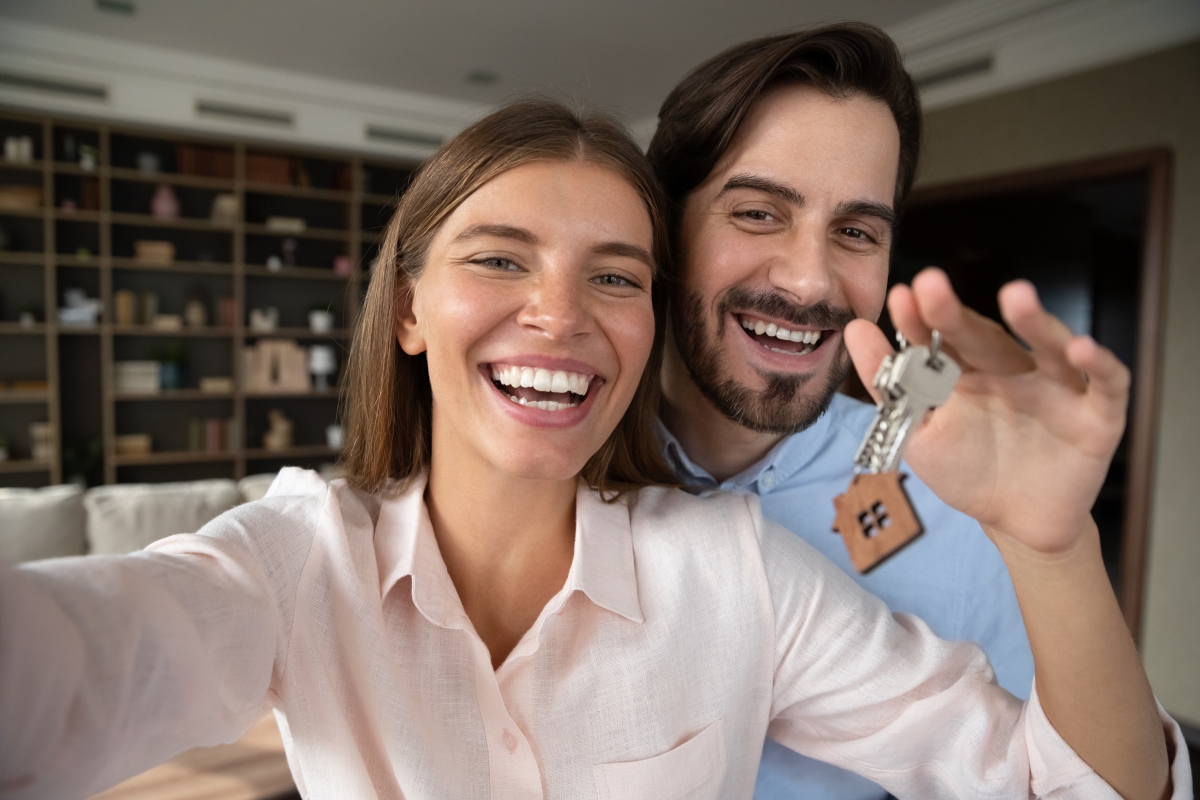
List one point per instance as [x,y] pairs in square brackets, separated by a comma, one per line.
[780,337]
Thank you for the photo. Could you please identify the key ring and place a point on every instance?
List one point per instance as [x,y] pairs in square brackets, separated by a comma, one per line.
[935,345]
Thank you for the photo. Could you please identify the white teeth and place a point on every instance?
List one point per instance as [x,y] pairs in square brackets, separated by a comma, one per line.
[541,405]
[783,334]
[559,383]
[526,376]
[543,380]
[760,327]
[771,329]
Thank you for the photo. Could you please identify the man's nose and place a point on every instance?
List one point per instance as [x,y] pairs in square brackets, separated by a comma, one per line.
[556,306]
[803,267]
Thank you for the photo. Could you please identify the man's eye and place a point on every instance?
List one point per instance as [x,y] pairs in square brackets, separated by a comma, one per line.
[496,262]
[856,233]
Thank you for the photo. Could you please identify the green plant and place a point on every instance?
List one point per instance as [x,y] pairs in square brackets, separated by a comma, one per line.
[83,459]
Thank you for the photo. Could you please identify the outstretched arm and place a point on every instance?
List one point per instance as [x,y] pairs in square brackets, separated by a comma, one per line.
[1023,446]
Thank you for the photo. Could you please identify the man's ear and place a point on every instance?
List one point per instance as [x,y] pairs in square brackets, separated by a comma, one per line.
[408,330]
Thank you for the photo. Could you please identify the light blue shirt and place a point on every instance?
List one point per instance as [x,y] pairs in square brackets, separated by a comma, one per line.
[951,576]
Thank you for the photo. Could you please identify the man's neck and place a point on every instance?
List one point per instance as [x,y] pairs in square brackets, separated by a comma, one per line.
[720,446]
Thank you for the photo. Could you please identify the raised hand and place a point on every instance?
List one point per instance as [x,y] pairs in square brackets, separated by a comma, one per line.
[1024,442]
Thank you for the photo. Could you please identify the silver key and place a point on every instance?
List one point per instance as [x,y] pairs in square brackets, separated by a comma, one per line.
[910,383]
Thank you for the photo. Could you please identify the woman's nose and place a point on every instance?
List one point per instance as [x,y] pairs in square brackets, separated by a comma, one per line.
[555,307]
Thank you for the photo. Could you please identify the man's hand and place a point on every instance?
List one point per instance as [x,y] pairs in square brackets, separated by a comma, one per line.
[1024,442]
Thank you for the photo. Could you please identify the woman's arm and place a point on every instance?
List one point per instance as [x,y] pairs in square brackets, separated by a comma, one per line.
[1023,446]
[109,665]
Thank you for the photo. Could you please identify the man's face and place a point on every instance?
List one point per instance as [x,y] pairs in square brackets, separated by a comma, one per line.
[784,243]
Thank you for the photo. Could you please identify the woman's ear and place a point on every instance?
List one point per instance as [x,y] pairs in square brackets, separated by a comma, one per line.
[408,330]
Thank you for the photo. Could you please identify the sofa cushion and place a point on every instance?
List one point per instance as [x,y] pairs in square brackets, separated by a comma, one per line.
[254,487]
[127,517]
[41,523]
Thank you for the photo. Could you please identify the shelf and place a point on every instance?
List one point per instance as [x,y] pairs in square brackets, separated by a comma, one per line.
[300,451]
[67,168]
[145,330]
[298,333]
[173,178]
[67,260]
[32,213]
[32,259]
[180,223]
[79,215]
[174,457]
[380,199]
[78,330]
[24,465]
[171,394]
[329,234]
[299,191]
[184,267]
[16,328]
[305,273]
[331,394]
[31,166]
[11,397]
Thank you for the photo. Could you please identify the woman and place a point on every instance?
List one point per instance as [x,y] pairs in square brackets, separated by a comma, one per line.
[497,605]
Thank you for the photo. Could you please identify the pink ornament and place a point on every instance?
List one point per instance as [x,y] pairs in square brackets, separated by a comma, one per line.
[164,204]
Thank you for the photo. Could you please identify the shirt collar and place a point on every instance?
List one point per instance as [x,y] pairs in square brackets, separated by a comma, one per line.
[789,455]
[602,567]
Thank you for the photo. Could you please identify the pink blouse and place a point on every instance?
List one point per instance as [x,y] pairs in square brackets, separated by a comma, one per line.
[688,629]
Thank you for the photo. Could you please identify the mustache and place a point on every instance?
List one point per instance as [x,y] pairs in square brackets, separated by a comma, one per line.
[822,315]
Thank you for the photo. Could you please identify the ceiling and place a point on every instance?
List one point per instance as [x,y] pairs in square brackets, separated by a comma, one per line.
[623,55]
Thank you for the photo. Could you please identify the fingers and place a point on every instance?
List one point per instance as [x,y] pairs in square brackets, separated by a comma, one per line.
[1046,335]
[867,346]
[1108,379]
[972,339]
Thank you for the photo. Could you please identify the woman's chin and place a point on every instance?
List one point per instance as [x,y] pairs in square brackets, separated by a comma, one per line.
[543,467]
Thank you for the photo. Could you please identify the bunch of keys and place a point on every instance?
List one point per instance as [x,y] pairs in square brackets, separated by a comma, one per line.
[875,516]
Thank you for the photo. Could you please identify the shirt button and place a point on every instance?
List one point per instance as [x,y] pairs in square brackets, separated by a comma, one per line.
[510,741]
[768,480]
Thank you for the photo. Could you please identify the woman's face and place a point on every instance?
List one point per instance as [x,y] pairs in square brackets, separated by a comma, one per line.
[534,311]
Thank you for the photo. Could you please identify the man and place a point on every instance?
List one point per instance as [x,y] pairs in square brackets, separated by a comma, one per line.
[788,159]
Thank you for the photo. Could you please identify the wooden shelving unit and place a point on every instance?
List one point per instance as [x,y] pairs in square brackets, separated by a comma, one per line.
[344,200]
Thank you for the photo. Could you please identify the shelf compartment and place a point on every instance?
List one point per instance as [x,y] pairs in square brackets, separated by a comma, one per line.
[28,166]
[30,258]
[171,178]
[210,332]
[304,273]
[24,397]
[179,223]
[174,457]
[17,329]
[180,267]
[298,333]
[169,395]
[328,234]
[311,192]
[23,465]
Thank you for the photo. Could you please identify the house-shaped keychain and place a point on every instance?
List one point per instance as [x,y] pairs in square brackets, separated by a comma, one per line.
[875,518]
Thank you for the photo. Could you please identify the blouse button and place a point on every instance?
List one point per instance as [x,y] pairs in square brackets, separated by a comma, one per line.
[510,741]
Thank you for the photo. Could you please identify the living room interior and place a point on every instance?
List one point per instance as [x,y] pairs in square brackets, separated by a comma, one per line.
[192,193]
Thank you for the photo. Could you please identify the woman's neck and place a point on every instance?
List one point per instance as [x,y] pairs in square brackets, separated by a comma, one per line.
[507,542]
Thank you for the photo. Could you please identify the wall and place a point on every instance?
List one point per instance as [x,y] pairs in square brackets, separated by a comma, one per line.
[1151,101]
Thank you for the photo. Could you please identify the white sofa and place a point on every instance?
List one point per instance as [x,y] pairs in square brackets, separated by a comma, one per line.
[68,521]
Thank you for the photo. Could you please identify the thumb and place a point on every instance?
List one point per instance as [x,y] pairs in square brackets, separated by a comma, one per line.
[867,346]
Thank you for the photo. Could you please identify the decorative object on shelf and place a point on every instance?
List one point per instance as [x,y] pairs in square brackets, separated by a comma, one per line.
[279,431]
[79,309]
[209,162]
[83,253]
[264,320]
[274,263]
[28,385]
[276,365]
[147,308]
[211,435]
[148,162]
[89,157]
[320,320]
[27,319]
[20,198]
[70,153]
[216,384]
[133,444]
[164,204]
[334,436]
[286,224]
[171,358]
[124,307]
[41,441]
[225,210]
[343,265]
[322,363]
[167,322]
[18,149]
[227,312]
[82,461]
[137,377]
[67,205]
[150,251]
[3,449]
[262,168]
[288,246]
[196,314]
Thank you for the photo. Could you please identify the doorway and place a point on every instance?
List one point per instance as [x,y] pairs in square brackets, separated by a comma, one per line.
[1090,237]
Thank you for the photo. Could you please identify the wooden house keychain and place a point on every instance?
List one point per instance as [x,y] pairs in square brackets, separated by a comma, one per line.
[875,516]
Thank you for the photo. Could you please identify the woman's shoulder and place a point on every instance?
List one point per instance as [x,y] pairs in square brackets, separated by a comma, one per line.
[719,518]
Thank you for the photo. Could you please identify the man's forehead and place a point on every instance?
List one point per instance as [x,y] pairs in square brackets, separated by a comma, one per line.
[804,138]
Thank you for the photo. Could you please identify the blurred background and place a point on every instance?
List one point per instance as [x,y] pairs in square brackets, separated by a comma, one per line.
[191,191]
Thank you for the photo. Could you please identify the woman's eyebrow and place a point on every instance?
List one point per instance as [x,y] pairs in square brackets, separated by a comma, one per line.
[501,231]
[625,250]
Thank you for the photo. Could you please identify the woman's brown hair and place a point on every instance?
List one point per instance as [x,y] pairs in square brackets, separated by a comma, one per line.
[389,400]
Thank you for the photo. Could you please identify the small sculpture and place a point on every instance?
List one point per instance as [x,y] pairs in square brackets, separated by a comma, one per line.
[164,204]
[279,431]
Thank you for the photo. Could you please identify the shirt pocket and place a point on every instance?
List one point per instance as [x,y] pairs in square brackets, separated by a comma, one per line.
[692,771]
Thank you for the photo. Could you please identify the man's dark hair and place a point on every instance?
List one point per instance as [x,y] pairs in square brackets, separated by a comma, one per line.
[700,117]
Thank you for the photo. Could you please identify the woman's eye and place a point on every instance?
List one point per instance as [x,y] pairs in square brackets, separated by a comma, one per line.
[615,280]
[756,215]
[496,262]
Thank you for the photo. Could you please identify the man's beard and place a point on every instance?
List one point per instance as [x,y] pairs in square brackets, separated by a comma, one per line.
[783,408]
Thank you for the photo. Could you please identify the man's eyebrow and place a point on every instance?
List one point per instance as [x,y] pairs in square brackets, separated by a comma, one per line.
[501,231]
[868,208]
[759,183]
[625,250]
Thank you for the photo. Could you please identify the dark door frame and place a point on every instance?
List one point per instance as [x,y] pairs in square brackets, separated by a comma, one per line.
[1145,397]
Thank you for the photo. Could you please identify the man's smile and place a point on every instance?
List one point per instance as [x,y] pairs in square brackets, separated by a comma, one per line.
[780,339]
